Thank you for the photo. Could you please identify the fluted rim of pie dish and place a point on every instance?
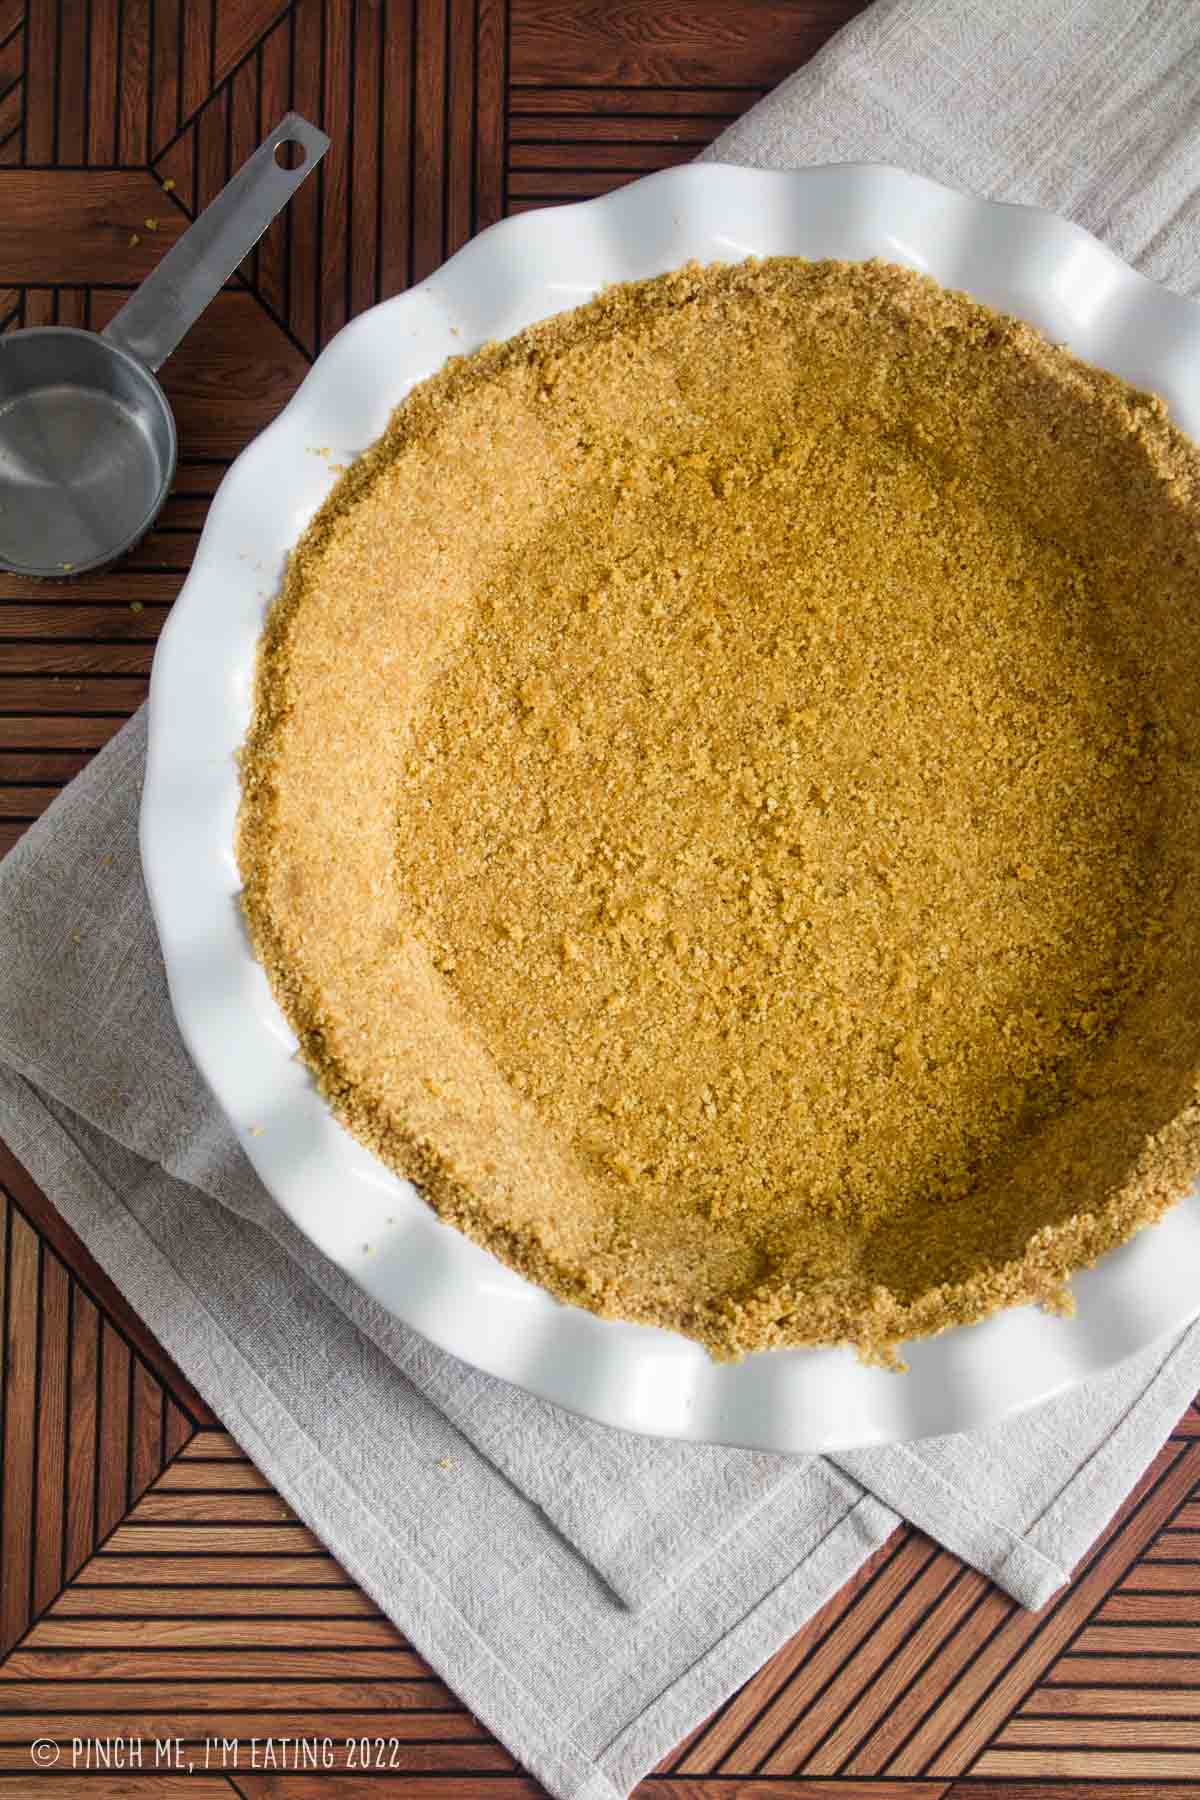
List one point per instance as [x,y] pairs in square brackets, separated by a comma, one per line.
[362,1217]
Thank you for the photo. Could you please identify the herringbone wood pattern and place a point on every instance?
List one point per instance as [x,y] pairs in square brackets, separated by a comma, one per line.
[150,1581]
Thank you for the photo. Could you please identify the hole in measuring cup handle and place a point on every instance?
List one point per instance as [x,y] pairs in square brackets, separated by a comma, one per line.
[290,153]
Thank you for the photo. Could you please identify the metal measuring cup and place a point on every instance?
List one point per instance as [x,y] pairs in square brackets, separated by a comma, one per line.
[87,437]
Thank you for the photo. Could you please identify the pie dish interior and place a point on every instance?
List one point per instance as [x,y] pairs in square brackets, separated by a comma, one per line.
[721,806]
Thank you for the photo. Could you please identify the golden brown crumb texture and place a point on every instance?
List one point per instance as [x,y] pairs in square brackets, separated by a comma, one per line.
[722,810]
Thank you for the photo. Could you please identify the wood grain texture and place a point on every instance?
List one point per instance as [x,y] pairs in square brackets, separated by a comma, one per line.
[77,1396]
[150,1577]
[745,44]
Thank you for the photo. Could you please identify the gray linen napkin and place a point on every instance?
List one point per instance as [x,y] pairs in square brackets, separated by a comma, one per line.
[589,1595]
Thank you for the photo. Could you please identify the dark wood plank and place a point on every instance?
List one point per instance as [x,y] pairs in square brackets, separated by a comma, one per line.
[212,142]
[460,124]
[551,137]
[102,38]
[176,163]
[429,143]
[229,378]
[1094,1766]
[396,73]
[119,587]
[12,108]
[70,123]
[221,1507]
[279,1663]
[20,1427]
[1027,1644]
[332,1696]
[78,657]
[136,1601]
[81,226]
[1061,1702]
[41,102]
[232,1634]
[116,1787]
[211,1540]
[273,77]
[1098,1733]
[304,211]
[423,1782]
[364,1787]
[12,57]
[213,1446]
[1181,1639]
[165,94]
[146,1446]
[33,767]
[194,1474]
[7,1212]
[335,173]
[197,55]
[88,1275]
[492,89]
[245,131]
[1170,1574]
[1119,1671]
[133,119]
[542,187]
[39,302]
[743,1788]
[71,305]
[240,27]
[842,1728]
[82,1430]
[25,801]
[1153,1608]
[231,1570]
[1189,1425]
[71,733]
[977,1611]
[709,1748]
[32,694]
[61,619]
[573,107]
[975,1789]
[784,1732]
[723,43]
[592,158]
[179,1426]
[366,172]
[182,1722]
[113,1430]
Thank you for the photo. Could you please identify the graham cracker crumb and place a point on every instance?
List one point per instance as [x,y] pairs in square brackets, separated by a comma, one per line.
[741,858]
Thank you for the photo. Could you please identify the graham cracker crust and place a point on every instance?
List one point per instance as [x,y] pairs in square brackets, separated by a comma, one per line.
[722,808]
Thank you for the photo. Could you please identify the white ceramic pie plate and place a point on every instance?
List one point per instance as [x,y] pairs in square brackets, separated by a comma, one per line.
[1018,259]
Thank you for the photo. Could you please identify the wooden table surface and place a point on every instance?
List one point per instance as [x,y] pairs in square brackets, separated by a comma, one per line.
[151,1583]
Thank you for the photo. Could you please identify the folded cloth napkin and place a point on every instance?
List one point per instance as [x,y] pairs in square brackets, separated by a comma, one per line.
[590,1595]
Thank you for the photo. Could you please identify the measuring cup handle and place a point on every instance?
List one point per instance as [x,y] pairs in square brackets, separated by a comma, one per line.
[196,267]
